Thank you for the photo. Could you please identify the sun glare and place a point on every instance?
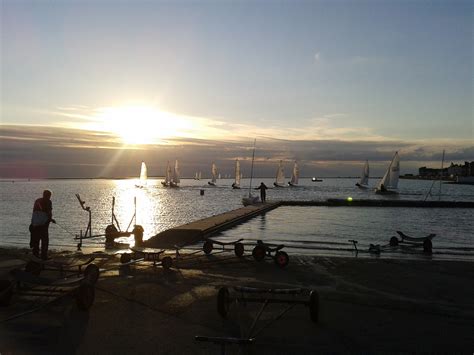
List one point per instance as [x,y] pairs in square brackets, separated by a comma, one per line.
[141,124]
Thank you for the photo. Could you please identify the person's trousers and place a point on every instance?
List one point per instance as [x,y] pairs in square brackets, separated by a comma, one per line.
[39,234]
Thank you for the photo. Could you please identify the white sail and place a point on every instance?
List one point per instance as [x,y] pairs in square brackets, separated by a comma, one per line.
[280,175]
[364,179]
[237,173]
[296,175]
[213,173]
[175,177]
[199,176]
[390,179]
[167,180]
[143,174]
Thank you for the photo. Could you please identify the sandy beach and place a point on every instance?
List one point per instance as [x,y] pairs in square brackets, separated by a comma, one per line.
[367,305]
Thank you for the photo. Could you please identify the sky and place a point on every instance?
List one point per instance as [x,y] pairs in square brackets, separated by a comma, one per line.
[92,88]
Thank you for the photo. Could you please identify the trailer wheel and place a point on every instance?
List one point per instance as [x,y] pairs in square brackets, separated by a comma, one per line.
[239,249]
[91,273]
[207,247]
[85,296]
[393,241]
[281,259]
[125,258]
[33,268]
[6,292]
[427,246]
[166,262]
[314,306]
[258,253]
[223,302]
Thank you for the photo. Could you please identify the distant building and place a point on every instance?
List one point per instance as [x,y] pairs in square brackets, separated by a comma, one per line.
[454,170]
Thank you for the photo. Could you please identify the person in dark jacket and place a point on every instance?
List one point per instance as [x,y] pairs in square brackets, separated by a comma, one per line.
[40,220]
[263,192]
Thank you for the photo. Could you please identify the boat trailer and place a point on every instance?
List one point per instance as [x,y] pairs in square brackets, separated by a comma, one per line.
[241,296]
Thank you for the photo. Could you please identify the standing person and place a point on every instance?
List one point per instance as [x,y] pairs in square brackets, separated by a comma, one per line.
[263,193]
[42,216]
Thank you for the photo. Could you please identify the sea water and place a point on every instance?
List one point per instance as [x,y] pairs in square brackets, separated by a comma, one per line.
[303,230]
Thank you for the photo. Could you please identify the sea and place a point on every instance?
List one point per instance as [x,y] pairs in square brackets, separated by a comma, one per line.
[303,230]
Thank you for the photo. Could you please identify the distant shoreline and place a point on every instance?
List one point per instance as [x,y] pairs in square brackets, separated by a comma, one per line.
[162,177]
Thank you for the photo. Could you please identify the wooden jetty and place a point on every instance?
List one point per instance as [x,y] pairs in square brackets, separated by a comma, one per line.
[196,231]
[334,202]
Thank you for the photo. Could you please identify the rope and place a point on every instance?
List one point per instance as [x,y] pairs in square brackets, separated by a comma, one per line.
[65,229]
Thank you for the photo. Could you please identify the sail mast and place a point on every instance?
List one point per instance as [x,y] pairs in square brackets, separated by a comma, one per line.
[441,176]
[251,169]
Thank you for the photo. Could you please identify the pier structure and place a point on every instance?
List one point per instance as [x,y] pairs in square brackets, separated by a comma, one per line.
[194,232]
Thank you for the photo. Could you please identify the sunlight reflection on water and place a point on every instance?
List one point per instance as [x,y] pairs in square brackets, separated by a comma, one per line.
[161,208]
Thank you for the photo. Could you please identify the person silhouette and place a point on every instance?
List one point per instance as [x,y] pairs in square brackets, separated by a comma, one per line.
[263,193]
[40,220]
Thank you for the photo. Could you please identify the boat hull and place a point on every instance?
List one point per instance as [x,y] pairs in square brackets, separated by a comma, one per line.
[247,201]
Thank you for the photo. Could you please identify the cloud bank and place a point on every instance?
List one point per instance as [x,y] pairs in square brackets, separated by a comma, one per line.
[49,152]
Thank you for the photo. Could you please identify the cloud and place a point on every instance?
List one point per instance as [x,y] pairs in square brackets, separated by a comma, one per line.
[36,151]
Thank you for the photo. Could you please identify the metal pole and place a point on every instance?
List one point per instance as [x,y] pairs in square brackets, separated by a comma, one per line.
[441,176]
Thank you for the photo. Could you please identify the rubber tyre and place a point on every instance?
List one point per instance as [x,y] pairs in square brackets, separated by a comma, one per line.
[85,296]
[111,230]
[394,242]
[91,273]
[125,258]
[314,306]
[281,259]
[258,253]
[207,247]
[223,302]
[166,262]
[239,249]
[33,268]
[427,246]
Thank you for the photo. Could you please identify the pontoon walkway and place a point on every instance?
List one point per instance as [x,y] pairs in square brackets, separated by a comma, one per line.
[199,230]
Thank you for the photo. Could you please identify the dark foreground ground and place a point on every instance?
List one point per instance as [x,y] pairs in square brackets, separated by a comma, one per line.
[366,306]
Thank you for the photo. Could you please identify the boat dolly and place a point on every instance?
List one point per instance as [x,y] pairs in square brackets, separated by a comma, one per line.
[262,249]
[112,231]
[228,298]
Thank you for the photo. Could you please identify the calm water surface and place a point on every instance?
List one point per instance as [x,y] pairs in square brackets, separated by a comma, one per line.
[304,230]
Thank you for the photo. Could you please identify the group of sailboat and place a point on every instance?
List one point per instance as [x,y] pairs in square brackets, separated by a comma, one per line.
[172,176]
[280,176]
[388,185]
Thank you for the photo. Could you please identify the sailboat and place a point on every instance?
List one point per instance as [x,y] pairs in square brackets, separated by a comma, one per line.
[280,176]
[167,180]
[175,176]
[251,200]
[389,183]
[364,179]
[197,176]
[214,175]
[295,175]
[143,176]
[236,184]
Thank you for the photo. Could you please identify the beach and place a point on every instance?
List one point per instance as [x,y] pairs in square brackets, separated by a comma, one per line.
[366,305]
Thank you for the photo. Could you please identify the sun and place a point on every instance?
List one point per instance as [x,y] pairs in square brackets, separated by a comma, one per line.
[141,124]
